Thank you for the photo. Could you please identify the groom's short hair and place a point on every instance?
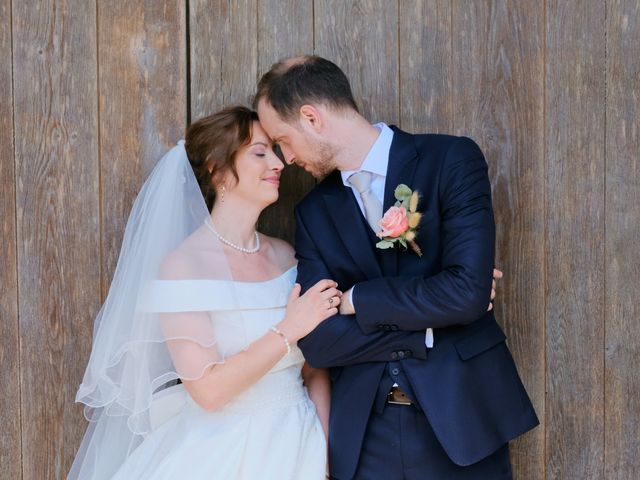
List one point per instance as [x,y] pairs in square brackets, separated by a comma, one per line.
[296,81]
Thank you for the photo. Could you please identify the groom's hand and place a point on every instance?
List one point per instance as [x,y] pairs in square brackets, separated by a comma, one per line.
[497,275]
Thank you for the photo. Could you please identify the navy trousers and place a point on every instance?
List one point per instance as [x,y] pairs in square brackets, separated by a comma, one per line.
[399,444]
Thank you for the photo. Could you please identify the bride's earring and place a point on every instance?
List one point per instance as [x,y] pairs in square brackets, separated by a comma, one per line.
[222,190]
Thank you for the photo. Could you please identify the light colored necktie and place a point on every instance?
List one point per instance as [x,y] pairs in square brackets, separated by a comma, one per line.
[361,181]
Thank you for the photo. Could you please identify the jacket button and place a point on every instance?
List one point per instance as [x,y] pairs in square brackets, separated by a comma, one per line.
[380,326]
[394,328]
[401,354]
[408,353]
[395,371]
[394,355]
[387,327]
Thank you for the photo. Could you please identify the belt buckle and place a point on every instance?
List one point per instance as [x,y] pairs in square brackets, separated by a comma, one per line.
[398,397]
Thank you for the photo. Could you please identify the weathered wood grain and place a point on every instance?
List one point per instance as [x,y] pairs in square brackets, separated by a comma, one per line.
[223,54]
[10,448]
[574,208]
[143,97]
[498,65]
[285,29]
[622,224]
[426,93]
[56,131]
[362,38]
[95,92]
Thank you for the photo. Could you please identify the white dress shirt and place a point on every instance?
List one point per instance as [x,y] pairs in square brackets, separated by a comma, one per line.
[376,162]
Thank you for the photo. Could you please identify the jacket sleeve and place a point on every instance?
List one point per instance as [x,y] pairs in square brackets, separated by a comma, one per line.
[339,341]
[459,293]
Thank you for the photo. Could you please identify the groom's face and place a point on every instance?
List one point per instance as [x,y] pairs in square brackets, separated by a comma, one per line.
[298,145]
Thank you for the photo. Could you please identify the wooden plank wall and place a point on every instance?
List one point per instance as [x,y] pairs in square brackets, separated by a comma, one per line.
[92,93]
[142,93]
[10,442]
[57,201]
[622,227]
[575,140]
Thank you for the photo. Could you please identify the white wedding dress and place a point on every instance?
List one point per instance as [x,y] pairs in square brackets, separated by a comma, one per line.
[270,431]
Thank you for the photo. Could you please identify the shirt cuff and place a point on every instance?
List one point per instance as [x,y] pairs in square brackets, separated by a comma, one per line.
[428,338]
[351,298]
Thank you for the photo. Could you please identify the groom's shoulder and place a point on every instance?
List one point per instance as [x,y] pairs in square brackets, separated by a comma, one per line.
[439,144]
[327,184]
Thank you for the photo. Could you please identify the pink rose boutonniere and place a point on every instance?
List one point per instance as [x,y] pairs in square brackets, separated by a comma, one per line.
[399,224]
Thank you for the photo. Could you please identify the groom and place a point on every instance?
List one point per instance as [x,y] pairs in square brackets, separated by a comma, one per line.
[423,384]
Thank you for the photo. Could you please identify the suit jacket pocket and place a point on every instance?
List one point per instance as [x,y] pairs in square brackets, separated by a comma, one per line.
[479,342]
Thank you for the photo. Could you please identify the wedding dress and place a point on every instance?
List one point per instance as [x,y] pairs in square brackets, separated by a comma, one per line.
[270,431]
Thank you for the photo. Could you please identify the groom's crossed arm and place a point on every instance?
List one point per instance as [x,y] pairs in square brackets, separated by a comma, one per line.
[339,341]
[456,295]
[459,293]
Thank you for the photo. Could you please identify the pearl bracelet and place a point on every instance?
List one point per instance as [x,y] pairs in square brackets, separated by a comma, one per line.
[283,336]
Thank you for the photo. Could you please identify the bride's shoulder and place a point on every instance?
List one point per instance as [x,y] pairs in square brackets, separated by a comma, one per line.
[283,252]
[193,258]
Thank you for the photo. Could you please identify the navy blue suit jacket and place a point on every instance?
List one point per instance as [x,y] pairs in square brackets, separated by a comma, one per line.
[467,385]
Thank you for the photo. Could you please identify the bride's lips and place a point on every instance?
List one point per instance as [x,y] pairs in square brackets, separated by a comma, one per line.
[273,180]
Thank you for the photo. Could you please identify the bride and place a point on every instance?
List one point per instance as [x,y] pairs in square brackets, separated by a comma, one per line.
[200,296]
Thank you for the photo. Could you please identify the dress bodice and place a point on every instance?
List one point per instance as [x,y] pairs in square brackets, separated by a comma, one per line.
[239,312]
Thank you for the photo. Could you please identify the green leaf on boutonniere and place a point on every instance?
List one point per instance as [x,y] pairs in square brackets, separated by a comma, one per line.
[402,193]
[403,242]
[383,244]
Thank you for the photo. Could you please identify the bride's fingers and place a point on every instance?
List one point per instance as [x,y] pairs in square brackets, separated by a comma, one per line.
[295,292]
[330,292]
[330,312]
[323,285]
[333,302]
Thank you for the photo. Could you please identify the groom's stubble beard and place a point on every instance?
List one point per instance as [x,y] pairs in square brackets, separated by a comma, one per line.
[324,160]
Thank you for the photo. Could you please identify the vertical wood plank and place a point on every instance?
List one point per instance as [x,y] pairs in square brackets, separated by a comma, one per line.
[223,45]
[10,448]
[362,38]
[143,103]
[425,66]
[575,133]
[285,29]
[498,65]
[622,217]
[55,111]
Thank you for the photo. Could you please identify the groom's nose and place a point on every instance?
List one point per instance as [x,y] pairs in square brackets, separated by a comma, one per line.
[289,156]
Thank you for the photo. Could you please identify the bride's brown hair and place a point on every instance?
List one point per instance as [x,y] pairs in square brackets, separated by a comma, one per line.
[212,143]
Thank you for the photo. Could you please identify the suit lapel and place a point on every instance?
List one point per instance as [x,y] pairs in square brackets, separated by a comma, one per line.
[344,212]
[403,159]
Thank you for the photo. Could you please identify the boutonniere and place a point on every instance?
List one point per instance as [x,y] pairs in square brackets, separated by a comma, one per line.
[399,224]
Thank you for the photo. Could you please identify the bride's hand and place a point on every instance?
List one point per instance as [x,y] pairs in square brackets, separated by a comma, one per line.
[305,312]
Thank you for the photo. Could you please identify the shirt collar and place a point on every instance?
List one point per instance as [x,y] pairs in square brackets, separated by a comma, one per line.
[377,159]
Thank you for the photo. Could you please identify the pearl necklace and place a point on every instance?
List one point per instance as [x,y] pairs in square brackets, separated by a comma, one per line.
[255,249]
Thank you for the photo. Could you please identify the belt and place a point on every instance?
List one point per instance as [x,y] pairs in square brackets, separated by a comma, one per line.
[397,397]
